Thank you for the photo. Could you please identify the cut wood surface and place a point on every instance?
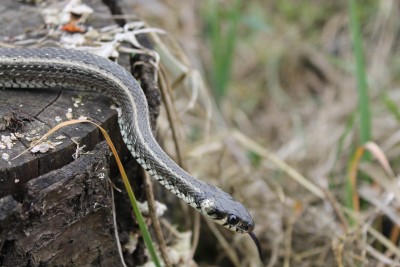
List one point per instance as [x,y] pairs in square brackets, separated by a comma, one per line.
[32,113]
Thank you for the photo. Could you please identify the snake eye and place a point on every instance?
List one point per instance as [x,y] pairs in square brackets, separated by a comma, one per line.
[233,220]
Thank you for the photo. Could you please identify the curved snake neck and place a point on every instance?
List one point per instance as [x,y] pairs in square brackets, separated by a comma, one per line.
[73,69]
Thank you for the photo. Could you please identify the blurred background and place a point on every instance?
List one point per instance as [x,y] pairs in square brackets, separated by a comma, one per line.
[289,93]
[290,106]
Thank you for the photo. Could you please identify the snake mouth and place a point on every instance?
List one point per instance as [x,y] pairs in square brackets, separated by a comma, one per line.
[241,227]
[231,222]
[244,229]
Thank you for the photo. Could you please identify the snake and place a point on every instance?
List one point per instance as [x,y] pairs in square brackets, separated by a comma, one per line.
[53,67]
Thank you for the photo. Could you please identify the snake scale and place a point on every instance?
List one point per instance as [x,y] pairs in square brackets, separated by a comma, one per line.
[67,68]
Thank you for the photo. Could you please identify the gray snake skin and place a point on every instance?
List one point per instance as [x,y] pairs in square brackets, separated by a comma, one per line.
[66,68]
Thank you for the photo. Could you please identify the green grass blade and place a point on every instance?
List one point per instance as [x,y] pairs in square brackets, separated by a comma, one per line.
[143,228]
[362,87]
[222,43]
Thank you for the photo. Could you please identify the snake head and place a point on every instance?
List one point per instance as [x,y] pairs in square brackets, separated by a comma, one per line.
[228,212]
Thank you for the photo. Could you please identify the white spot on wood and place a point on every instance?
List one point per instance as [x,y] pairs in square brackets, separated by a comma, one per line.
[5,156]
[42,148]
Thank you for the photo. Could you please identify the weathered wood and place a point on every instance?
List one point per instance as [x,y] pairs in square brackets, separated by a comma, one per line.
[55,210]
[65,218]
[46,108]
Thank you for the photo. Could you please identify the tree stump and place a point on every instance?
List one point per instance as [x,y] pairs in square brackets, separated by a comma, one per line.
[56,209]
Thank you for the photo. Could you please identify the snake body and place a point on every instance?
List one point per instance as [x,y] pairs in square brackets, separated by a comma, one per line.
[66,68]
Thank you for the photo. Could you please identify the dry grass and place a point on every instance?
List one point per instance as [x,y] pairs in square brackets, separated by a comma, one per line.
[290,112]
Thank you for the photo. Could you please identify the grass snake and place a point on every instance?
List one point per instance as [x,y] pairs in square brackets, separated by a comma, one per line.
[67,68]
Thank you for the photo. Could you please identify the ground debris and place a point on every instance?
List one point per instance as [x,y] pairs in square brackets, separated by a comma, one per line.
[14,120]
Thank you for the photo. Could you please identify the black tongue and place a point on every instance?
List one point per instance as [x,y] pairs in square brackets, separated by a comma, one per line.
[258,245]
